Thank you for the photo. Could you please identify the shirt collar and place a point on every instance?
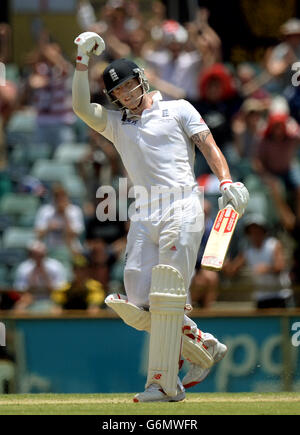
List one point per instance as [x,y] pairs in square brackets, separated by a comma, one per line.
[156,97]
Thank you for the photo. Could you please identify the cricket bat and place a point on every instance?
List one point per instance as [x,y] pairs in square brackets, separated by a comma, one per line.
[219,239]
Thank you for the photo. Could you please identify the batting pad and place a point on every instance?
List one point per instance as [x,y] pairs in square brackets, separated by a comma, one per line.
[192,345]
[129,313]
[167,302]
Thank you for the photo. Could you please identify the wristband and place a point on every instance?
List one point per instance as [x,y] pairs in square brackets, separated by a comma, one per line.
[82,58]
[224,184]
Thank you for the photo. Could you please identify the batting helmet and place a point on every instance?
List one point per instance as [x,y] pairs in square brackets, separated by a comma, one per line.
[119,72]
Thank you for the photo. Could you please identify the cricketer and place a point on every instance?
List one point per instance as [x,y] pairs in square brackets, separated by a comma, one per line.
[156,141]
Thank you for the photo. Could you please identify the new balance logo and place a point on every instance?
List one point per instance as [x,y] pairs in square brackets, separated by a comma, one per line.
[165,113]
[113,74]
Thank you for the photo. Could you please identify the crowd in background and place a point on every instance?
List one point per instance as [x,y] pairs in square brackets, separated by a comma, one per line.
[55,253]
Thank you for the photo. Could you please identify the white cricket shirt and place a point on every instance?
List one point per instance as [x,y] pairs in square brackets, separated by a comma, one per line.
[155,147]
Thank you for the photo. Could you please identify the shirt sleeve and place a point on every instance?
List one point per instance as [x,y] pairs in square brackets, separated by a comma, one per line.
[94,115]
[192,121]
[112,126]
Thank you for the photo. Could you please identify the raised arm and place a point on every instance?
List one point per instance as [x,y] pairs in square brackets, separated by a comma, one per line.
[94,115]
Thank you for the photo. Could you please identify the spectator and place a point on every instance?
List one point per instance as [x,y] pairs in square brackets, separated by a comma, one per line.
[48,89]
[280,58]
[36,278]
[172,63]
[251,84]
[138,52]
[276,153]
[156,19]
[118,19]
[97,84]
[134,18]
[219,101]
[205,39]
[8,89]
[106,231]
[247,127]
[264,259]
[83,292]
[8,101]
[102,259]
[61,223]
[85,14]
[218,104]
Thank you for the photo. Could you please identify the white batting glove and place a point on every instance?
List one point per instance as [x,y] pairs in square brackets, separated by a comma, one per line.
[88,43]
[235,194]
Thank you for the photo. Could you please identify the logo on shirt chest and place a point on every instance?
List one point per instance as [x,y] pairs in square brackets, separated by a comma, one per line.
[165,115]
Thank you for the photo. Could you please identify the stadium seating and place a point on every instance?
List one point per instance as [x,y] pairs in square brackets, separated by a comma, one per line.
[18,209]
[52,171]
[17,237]
[18,203]
[21,127]
[71,152]
[30,152]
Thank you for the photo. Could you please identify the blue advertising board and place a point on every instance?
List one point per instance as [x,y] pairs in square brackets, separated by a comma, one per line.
[103,355]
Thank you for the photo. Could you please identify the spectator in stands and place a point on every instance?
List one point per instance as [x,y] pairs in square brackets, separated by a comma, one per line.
[218,104]
[103,231]
[158,15]
[172,63]
[219,101]
[247,126]
[97,84]
[8,89]
[83,292]
[205,39]
[205,283]
[86,16]
[292,94]
[61,223]
[36,278]
[280,59]
[276,153]
[118,19]
[263,256]
[138,48]
[251,81]
[48,89]
[8,101]
[102,259]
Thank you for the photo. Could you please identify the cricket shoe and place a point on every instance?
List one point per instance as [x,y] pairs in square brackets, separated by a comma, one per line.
[154,393]
[196,373]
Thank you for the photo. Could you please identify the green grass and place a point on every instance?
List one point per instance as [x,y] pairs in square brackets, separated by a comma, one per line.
[121,404]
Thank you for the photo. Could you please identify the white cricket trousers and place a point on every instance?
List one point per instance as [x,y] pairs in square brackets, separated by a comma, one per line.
[171,235]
